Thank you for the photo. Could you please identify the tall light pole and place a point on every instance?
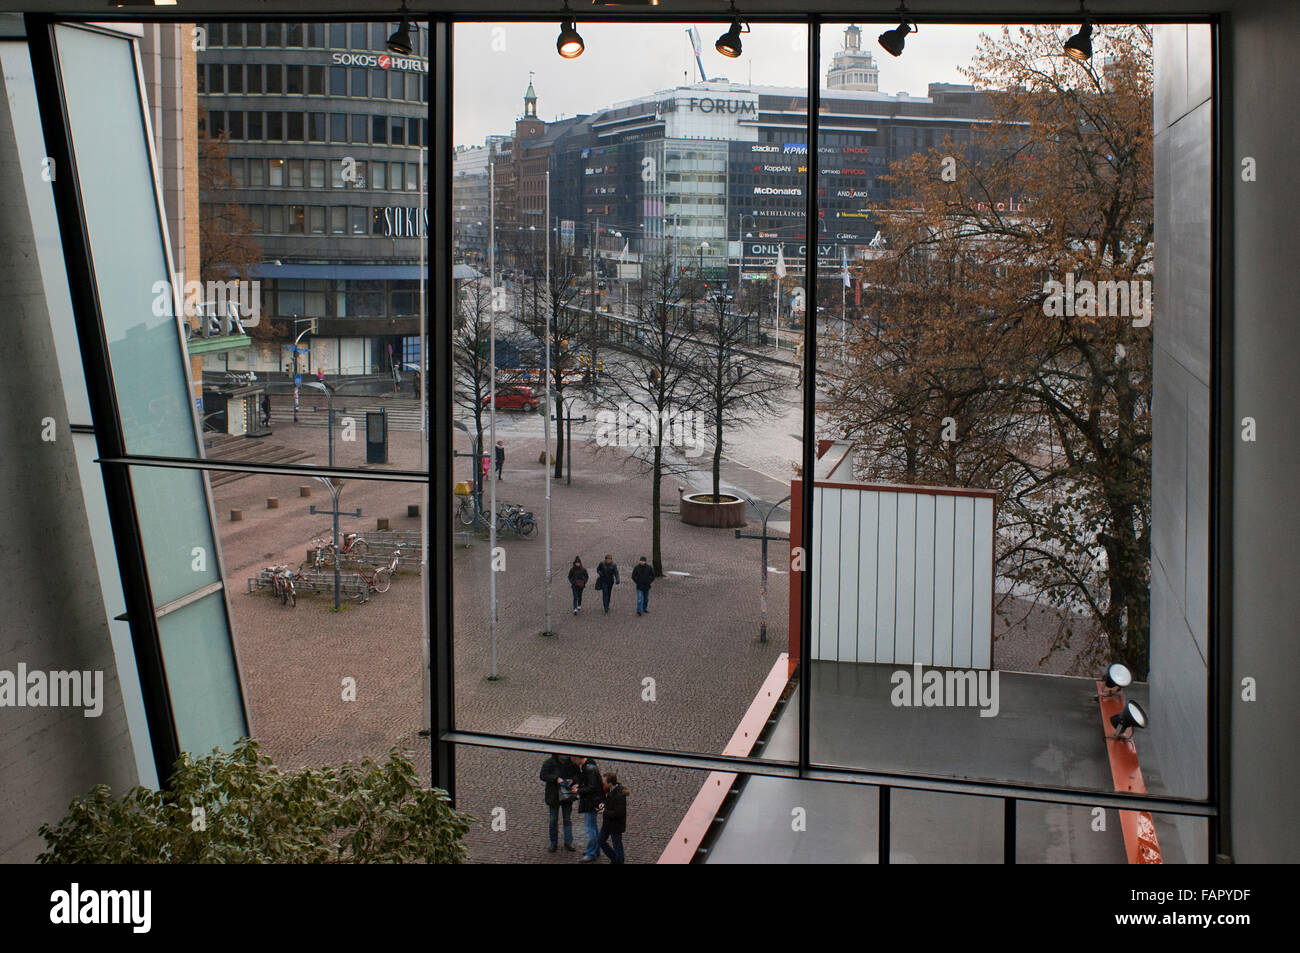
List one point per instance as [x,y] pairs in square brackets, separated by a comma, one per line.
[547,630]
[492,413]
[762,626]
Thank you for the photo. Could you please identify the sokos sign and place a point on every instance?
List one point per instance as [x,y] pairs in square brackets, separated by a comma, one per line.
[380,61]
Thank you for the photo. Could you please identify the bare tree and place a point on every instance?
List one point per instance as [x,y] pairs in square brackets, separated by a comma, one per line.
[732,388]
[655,382]
[555,300]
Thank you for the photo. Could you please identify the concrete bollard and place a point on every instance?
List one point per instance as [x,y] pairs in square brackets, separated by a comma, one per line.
[304,491]
[236,515]
[413,511]
[381,523]
[272,502]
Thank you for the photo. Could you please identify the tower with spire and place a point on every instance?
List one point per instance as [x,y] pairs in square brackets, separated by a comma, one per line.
[529,126]
[853,67]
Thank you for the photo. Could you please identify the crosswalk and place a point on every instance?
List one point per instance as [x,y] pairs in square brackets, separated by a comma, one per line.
[403,413]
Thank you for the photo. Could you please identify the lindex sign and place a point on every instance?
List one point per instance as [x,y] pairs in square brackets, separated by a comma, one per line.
[381,61]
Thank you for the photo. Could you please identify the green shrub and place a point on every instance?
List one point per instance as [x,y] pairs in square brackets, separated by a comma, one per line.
[240,808]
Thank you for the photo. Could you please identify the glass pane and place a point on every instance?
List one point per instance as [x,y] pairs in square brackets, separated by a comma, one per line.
[201,675]
[638,313]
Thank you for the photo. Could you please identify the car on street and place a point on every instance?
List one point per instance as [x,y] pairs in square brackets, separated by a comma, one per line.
[514,398]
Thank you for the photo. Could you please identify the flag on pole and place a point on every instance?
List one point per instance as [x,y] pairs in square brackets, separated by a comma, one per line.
[622,258]
[694,34]
[847,282]
[780,263]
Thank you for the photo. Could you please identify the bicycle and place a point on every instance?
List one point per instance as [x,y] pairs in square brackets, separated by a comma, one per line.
[354,545]
[380,579]
[283,583]
[515,518]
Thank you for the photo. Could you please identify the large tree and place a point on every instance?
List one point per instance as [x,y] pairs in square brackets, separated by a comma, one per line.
[555,299]
[973,370]
[654,381]
[227,244]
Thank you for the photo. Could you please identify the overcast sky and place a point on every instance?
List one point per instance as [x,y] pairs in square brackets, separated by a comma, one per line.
[625,61]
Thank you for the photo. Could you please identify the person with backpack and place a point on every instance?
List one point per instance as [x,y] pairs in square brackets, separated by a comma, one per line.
[578,577]
[643,576]
[615,822]
[559,775]
[606,579]
[591,794]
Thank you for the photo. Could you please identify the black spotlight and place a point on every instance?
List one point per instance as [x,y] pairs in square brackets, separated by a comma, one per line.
[1117,678]
[1079,46]
[400,42]
[568,44]
[893,40]
[729,43]
[1131,717]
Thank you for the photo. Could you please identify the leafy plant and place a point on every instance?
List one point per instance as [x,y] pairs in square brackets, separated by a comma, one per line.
[238,807]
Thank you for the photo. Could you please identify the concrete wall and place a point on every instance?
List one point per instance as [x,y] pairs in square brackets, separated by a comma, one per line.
[1265,596]
[1181,422]
[54,616]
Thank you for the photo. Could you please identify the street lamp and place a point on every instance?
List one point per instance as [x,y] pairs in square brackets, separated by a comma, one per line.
[762,627]
[329,396]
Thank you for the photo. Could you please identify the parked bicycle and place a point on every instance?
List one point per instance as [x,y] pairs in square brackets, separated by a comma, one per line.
[284,583]
[515,518]
[380,578]
[354,545]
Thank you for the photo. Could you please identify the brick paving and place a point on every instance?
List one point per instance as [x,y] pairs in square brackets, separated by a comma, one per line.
[699,642]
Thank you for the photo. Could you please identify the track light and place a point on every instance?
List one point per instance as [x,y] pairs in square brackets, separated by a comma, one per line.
[1116,679]
[729,43]
[892,40]
[1079,46]
[400,42]
[1125,721]
[568,44]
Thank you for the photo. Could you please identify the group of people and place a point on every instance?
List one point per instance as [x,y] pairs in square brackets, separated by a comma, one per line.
[643,577]
[601,800]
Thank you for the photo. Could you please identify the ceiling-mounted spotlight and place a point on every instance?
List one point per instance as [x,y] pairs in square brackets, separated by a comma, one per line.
[1079,46]
[892,40]
[400,42]
[1125,721]
[1116,679]
[729,43]
[568,44]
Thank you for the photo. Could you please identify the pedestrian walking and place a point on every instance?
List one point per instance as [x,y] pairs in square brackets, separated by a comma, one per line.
[614,824]
[606,579]
[578,577]
[560,776]
[643,576]
[591,794]
[266,410]
[501,457]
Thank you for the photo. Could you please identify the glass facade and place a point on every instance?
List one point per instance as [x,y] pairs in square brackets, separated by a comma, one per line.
[681,434]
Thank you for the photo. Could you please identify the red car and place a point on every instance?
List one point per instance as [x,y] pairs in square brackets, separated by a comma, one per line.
[514,398]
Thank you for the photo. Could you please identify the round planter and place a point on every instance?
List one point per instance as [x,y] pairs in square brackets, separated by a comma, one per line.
[699,509]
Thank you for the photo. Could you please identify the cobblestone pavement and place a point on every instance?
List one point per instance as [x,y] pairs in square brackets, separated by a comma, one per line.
[699,642]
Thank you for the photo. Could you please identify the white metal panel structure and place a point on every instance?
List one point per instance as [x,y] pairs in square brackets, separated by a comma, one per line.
[903,575]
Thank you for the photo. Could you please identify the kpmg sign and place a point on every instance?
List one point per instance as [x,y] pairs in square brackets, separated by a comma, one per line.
[381,61]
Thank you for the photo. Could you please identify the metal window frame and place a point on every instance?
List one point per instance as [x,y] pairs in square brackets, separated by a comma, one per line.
[445,737]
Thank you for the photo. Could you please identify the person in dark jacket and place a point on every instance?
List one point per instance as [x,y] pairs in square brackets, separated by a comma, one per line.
[591,793]
[266,410]
[559,774]
[578,577]
[643,576]
[615,823]
[606,579]
[501,457]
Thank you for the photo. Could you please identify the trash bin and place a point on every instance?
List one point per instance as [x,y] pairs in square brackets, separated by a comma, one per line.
[376,437]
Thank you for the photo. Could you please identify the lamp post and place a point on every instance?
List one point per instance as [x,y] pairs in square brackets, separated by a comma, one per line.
[335,486]
[546,628]
[762,627]
[492,419]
